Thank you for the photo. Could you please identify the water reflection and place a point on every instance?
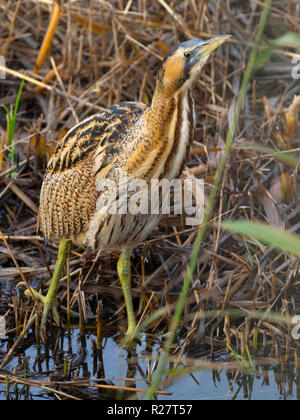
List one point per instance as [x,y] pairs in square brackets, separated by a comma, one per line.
[75,367]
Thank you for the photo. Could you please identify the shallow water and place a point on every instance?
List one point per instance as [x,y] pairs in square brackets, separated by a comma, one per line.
[269,382]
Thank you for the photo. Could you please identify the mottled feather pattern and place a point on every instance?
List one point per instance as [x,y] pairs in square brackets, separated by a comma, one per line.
[68,195]
[133,137]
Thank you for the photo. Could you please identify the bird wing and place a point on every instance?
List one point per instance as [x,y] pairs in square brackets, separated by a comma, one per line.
[68,196]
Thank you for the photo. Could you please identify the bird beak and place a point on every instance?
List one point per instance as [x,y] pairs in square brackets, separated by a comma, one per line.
[211,45]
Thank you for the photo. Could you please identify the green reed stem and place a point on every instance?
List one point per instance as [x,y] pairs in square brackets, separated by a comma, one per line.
[211,201]
[11,122]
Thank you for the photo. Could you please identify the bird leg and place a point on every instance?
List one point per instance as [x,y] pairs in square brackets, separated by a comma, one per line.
[49,301]
[125,279]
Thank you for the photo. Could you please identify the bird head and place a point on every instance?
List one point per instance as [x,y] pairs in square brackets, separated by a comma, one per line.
[182,65]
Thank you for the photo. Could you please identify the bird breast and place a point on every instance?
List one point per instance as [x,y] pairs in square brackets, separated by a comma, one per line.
[160,154]
[145,142]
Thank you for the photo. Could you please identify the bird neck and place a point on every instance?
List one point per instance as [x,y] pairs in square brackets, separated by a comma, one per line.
[161,113]
[163,137]
[171,124]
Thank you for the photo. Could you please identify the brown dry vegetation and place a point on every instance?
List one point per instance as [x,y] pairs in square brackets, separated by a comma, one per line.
[106,52]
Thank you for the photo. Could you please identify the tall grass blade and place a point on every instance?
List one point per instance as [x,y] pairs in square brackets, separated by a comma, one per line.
[11,124]
[199,239]
[273,236]
[284,157]
[287,40]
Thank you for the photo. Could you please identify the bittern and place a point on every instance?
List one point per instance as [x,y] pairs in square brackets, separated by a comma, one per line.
[145,141]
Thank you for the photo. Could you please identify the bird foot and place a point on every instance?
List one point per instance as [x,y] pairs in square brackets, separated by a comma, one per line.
[49,303]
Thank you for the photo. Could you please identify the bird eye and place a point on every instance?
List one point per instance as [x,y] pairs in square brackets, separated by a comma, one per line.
[187,54]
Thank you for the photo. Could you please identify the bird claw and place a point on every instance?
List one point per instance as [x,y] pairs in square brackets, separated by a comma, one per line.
[49,303]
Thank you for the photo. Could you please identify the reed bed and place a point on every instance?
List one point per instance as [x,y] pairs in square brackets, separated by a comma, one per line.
[78,57]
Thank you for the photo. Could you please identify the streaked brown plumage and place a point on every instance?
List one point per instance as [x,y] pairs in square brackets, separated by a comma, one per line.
[87,153]
[121,137]
[145,141]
